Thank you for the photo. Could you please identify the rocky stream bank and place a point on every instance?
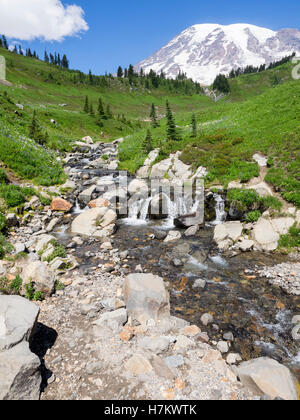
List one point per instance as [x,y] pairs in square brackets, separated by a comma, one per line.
[183,326]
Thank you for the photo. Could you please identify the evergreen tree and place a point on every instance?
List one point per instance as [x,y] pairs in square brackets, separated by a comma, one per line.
[91,78]
[221,84]
[120,72]
[65,62]
[4,42]
[147,145]
[92,113]
[108,112]
[171,126]
[101,111]
[15,51]
[153,117]
[35,133]
[194,126]
[86,107]
[46,57]
[20,50]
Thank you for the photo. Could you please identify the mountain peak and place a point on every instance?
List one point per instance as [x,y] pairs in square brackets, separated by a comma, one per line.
[204,50]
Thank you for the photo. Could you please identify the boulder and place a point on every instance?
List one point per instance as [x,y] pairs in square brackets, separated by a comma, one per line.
[100,202]
[265,236]
[228,230]
[282,225]
[18,317]
[160,169]
[39,274]
[265,376]
[87,140]
[20,377]
[59,204]
[173,235]
[115,319]
[11,220]
[86,195]
[146,297]
[43,242]
[86,222]
[138,187]
[246,245]
[192,231]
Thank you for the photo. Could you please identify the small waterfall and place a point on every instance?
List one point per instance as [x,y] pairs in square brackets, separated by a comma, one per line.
[145,209]
[77,209]
[220,210]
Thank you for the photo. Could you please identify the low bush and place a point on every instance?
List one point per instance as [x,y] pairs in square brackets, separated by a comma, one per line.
[291,240]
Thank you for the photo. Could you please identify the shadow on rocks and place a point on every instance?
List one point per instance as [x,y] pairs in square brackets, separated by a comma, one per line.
[42,340]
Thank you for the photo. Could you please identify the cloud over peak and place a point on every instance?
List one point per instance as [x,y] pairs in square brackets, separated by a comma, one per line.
[47,20]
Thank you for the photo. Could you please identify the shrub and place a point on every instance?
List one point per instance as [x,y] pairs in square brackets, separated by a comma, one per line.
[16,284]
[3,177]
[2,222]
[253,216]
[247,197]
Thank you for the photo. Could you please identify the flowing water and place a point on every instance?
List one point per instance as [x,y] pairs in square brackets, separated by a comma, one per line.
[259,315]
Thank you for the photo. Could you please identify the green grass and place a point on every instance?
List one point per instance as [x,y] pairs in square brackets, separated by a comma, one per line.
[290,241]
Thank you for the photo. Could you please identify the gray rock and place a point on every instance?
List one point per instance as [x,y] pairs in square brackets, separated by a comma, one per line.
[156,345]
[228,336]
[18,317]
[11,220]
[20,377]
[38,273]
[199,284]
[296,332]
[296,319]
[113,320]
[222,346]
[146,297]
[191,231]
[265,376]
[19,247]
[175,361]
[207,319]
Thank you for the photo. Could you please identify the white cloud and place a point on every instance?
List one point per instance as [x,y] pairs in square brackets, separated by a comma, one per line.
[48,20]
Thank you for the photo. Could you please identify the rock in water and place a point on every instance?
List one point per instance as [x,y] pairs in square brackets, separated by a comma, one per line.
[265,376]
[146,297]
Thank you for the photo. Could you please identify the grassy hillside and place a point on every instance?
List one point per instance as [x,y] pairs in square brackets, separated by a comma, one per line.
[261,114]
[59,94]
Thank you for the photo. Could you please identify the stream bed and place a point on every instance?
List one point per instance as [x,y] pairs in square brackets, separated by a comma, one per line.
[259,315]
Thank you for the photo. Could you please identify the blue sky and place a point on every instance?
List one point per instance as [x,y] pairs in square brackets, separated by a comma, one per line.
[123,32]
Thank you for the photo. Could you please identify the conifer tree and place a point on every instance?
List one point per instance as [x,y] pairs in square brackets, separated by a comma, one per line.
[20,50]
[171,126]
[35,133]
[4,42]
[92,113]
[147,145]
[194,126]
[108,112]
[101,111]
[86,107]
[65,62]
[46,57]
[120,72]
[153,117]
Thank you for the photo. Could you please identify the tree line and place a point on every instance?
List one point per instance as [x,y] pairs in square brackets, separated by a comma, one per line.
[252,69]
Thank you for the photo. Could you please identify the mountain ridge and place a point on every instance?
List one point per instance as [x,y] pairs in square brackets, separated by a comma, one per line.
[204,50]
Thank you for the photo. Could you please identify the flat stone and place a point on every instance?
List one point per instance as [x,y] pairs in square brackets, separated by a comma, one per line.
[161,368]
[59,204]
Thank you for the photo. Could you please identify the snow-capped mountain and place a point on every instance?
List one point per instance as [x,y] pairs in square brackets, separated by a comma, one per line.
[203,51]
